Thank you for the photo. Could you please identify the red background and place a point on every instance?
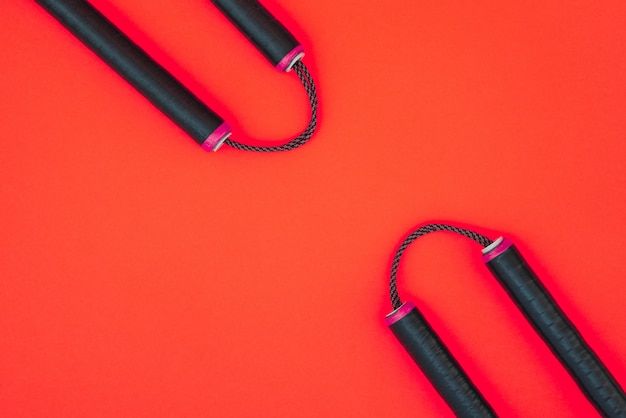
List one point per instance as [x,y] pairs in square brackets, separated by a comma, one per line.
[142,276]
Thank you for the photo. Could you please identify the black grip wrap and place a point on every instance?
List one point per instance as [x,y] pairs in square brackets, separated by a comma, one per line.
[135,66]
[260,27]
[558,332]
[441,369]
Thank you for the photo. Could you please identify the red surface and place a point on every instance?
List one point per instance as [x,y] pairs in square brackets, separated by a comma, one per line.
[142,276]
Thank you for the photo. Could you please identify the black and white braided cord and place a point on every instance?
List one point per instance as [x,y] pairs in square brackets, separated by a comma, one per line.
[307,81]
[421,231]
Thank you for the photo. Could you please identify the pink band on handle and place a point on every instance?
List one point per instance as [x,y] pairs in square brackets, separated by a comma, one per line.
[217,138]
[399,313]
[290,59]
[494,252]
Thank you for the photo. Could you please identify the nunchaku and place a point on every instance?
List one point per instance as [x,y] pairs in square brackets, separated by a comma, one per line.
[508,266]
[167,93]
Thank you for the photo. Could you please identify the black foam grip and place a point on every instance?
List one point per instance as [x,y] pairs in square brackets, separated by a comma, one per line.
[443,371]
[135,66]
[558,332]
[260,27]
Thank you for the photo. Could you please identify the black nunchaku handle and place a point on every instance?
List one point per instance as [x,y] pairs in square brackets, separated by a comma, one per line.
[139,69]
[270,37]
[435,360]
[533,299]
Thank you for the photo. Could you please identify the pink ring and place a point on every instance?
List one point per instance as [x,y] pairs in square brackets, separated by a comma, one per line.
[399,313]
[502,247]
[290,59]
[217,138]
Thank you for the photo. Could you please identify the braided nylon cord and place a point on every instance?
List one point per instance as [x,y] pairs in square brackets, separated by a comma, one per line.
[421,231]
[309,86]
